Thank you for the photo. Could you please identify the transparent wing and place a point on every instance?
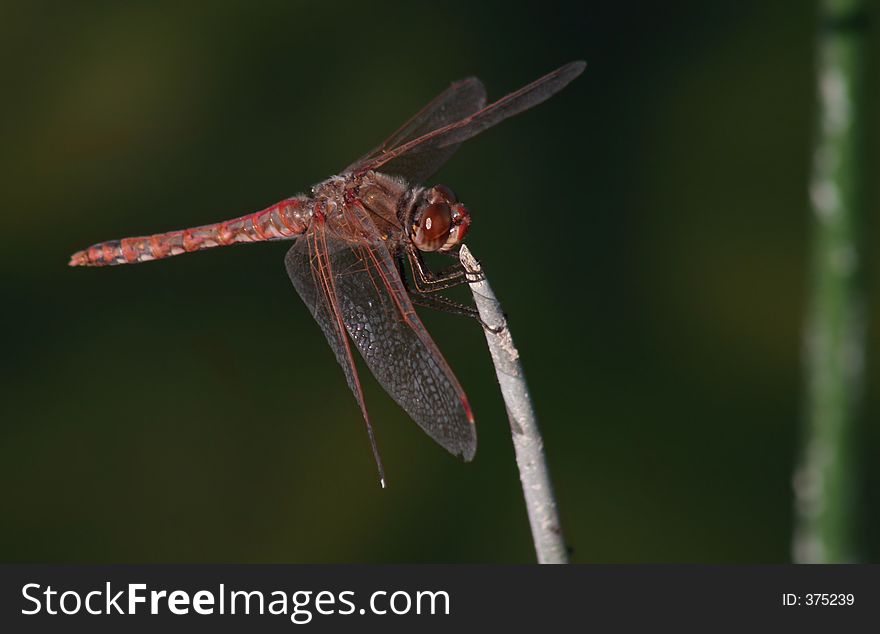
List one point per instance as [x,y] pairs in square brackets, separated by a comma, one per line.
[456,132]
[461,99]
[310,271]
[355,285]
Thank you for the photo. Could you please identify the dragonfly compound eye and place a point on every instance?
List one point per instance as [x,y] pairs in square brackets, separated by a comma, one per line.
[441,194]
[433,228]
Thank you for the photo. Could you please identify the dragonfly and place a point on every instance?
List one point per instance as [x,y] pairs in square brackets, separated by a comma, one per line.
[354,235]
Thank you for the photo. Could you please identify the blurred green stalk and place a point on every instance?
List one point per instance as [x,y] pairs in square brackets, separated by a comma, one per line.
[826,483]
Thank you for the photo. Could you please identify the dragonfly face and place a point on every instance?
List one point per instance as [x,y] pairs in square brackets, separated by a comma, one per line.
[439,222]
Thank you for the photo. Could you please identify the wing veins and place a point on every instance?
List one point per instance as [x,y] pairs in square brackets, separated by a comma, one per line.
[328,286]
[567,72]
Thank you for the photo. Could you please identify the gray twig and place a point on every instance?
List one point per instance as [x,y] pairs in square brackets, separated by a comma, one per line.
[527,443]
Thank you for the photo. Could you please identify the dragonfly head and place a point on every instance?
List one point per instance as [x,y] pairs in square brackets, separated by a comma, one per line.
[440,222]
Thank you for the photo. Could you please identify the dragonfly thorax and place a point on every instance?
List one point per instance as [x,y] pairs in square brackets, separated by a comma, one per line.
[430,218]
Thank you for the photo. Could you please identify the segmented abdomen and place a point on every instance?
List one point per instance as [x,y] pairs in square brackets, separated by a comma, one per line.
[286,219]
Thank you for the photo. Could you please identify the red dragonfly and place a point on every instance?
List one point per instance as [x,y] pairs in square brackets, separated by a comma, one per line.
[351,238]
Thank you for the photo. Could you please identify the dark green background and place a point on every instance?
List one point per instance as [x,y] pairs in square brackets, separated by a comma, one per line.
[647,231]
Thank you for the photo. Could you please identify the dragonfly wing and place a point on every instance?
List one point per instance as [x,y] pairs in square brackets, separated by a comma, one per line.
[307,269]
[311,273]
[356,285]
[455,133]
[460,100]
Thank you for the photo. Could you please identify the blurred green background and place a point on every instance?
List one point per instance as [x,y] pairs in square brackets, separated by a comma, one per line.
[646,230]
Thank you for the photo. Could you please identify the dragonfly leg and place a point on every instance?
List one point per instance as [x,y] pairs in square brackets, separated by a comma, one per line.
[438,302]
[446,305]
[428,281]
[443,304]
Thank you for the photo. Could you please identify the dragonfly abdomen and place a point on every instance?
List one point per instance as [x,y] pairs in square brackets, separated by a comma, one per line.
[284,220]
